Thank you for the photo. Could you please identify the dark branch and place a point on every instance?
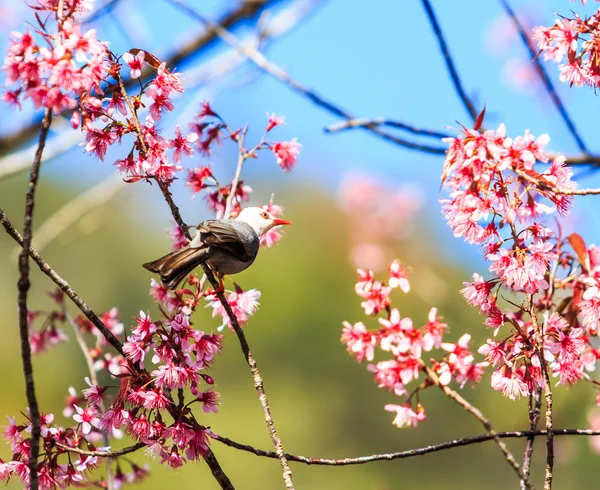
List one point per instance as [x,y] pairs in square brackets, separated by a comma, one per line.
[409,453]
[379,121]
[535,403]
[23,286]
[467,102]
[272,69]
[545,78]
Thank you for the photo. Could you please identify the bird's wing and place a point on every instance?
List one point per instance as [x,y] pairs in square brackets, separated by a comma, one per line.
[226,235]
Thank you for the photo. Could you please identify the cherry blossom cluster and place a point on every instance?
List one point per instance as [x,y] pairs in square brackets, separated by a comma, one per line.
[57,467]
[501,189]
[397,336]
[575,44]
[49,334]
[55,65]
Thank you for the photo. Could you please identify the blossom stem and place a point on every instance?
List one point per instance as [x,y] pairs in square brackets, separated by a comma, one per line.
[23,286]
[484,421]
[94,378]
[258,382]
[238,173]
[547,394]
[535,401]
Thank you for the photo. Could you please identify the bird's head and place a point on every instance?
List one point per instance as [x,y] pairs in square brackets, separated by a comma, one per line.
[260,220]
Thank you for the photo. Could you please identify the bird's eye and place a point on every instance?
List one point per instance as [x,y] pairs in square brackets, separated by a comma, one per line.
[264,215]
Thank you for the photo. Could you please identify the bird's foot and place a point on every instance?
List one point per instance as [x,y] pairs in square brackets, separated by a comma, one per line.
[217,291]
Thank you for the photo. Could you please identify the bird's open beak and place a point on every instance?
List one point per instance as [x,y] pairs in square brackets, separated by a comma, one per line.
[277,222]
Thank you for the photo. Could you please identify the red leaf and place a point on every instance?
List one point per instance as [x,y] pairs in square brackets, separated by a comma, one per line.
[580,248]
[479,120]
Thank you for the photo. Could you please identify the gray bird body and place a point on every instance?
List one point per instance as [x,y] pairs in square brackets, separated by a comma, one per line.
[226,246]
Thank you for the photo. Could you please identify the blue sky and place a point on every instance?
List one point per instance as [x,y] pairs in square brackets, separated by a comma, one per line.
[377,61]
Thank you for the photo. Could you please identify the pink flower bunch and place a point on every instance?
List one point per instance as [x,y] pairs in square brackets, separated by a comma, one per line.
[55,67]
[210,127]
[575,44]
[58,468]
[498,199]
[49,334]
[398,337]
[243,304]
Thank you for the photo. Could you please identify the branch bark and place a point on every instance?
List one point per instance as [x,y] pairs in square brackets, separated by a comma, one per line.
[23,286]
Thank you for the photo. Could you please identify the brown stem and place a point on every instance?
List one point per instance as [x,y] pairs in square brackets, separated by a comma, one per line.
[258,382]
[23,286]
[547,394]
[479,416]
[535,401]
[238,173]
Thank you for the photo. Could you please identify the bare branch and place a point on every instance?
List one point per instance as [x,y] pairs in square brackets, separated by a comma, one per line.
[103,454]
[271,68]
[558,103]
[238,173]
[458,86]
[535,401]
[23,286]
[409,453]
[258,382]
[539,345]
[380,121]
[484,421]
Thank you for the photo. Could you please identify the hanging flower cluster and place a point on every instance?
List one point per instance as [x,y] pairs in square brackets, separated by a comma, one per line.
[397,336]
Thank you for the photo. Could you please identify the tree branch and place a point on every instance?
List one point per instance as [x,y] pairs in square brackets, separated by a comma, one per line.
[23,286]
[458,86]
[380,121]
[535,401]
[409,453]
[258,382]
[484,421]
[271,68]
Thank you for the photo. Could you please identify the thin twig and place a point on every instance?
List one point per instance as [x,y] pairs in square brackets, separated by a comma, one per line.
[103,454]
[535,401]
[479,416]
[23,286]
[380,121]
[545,186]
[238,173]
[409,453]
[271,68]
[558,103]
[258,382]
[539,335]
[94,379]
[458,86]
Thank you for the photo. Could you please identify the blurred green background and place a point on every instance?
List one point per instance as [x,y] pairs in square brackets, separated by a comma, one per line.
[324,404]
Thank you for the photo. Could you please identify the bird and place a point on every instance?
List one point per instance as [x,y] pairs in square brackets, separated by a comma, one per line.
[227,246]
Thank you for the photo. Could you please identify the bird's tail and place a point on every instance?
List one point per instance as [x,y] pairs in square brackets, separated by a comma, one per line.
[174,266]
